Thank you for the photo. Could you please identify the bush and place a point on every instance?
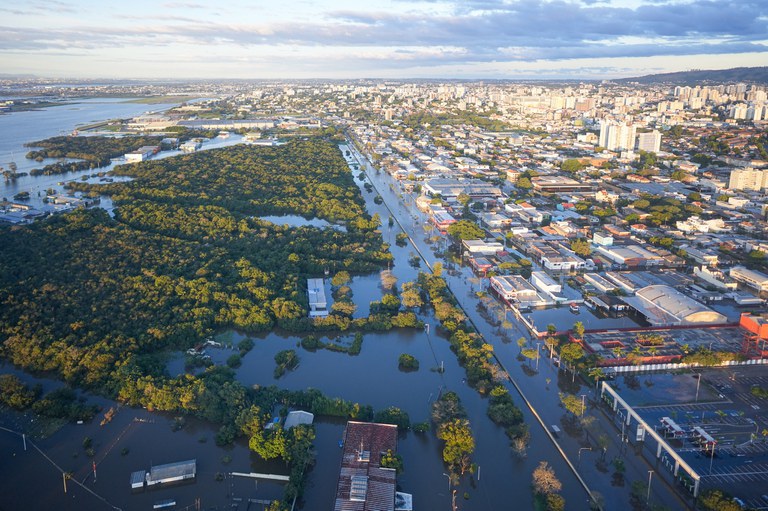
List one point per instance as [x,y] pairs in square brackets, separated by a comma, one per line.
[311,343]
[245,345]
[394,415]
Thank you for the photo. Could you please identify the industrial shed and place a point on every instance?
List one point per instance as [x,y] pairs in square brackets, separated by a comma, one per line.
[664,305]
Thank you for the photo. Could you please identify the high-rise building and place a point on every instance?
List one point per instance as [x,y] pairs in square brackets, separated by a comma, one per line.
[748,179]
[617,137]
[649,142]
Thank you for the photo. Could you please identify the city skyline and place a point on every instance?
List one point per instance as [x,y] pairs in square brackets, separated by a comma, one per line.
[584,39]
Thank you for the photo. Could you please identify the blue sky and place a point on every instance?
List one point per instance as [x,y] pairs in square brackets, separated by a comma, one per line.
[379,38]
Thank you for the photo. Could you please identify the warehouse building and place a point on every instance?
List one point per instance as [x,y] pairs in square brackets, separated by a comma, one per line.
[664,305]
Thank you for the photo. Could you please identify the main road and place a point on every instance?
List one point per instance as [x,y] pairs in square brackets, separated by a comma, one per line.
[542,380]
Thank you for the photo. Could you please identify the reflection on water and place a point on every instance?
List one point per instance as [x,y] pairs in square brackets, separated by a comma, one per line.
[300,221]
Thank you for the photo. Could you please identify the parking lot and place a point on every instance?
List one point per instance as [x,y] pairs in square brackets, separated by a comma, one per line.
[671,342]
[721,428]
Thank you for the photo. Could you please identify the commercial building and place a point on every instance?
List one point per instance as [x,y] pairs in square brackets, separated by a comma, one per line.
[452,188]
[364,485]
[630,255]
[664,305]
[513,288]
[555,257]
[480,247]
[545,283]
[557,184]
[142,153]
[600,283]
[751,278]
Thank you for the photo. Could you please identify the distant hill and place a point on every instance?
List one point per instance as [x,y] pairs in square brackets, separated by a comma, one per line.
[736,74]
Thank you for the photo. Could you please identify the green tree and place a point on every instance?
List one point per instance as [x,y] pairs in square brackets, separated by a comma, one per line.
[410,295]
[459,443]
[581,247]
[465,230]
[578,330]
[407,362]
[392,460]
[571,165]
[394,415]
[341,278]
[270,445]
[715,500]
[524,183]
[572,403]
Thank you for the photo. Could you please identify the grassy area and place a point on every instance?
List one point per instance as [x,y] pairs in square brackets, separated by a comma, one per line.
[153,100]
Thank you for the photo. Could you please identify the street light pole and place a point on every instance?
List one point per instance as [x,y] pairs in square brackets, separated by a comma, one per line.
[698,382]
[648,497]
[537,355]
[583,403]
[449,481]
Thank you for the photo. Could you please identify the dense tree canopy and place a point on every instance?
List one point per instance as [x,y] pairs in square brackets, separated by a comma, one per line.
[83,293]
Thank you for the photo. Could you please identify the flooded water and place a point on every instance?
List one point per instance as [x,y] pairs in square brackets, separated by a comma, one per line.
[372,377]
[300,221]
[540,381]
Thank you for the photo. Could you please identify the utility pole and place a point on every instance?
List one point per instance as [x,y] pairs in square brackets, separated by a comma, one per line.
[64,478]
[583,404]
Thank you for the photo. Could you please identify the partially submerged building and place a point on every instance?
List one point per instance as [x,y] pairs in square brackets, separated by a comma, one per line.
[364,485]
[318,305]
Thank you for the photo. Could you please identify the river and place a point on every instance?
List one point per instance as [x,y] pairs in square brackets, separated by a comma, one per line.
[20,128]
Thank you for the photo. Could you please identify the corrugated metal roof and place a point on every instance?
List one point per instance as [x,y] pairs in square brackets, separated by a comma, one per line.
[379,482]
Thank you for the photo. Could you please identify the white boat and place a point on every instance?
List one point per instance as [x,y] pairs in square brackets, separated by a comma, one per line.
[574,308]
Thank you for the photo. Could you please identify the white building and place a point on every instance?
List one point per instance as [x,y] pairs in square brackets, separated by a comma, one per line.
[753,279]
[513,288]
[617,137]
[649,142]
[480,247]
[601,238]
[748,179]
[545,283]
[318,305]
[664,305]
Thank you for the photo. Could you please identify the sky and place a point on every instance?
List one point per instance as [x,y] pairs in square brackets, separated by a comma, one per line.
[469,39]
